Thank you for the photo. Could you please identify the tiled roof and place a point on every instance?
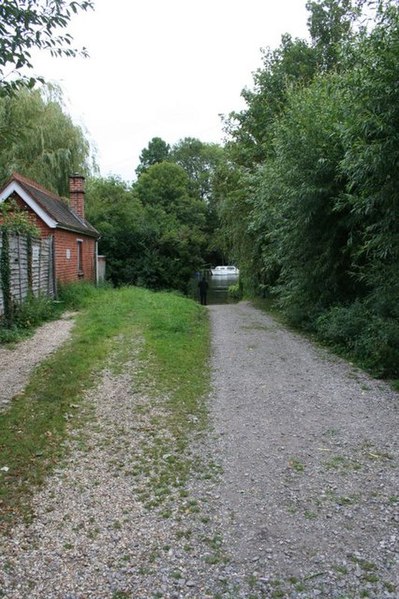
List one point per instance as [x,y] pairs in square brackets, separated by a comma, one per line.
[56,207]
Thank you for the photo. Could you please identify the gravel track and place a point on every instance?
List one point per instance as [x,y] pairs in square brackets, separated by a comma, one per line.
[294,487]
[17,362]
[309,450]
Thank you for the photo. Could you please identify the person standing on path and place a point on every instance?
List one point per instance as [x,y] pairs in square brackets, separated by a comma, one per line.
[203,289]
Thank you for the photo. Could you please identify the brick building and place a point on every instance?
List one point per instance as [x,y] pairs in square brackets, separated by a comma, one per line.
[74,238]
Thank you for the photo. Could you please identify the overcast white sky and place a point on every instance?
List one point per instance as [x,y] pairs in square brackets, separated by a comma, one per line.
[165,68]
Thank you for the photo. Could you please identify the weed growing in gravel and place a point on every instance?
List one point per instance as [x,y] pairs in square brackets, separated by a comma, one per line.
[68,546]
[120,595]
[331,432]
[309,515]
[277,594]
[296,465]
[342,463]
[212,559]
[369,569]
[144,571]
[251,581]
[346,500]
[28,316]
[341,569]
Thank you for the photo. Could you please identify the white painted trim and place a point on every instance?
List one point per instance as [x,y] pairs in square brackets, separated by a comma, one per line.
[14,186]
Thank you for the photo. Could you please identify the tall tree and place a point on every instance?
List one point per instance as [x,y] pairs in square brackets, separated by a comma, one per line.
[156,151]
[371,139]
[200,161]
[294,62]
[126,235]
[232,238]
[316,222]
[29,24]
[165,194]
[192,166]
[166,185]
[38,139]
[330,24]
[152,233]
[309,224]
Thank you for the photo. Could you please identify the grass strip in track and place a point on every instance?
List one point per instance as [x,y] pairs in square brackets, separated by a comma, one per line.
[176,349]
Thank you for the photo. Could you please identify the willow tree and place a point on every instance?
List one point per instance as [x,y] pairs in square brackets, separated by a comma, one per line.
[39,139]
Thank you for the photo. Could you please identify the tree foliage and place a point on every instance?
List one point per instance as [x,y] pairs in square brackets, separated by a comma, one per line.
[152,234]
[39,140]
[300,191]
[251,130]
[371,139]
[311,201]
[165,191]
[156,151]
[114,210]
[193,166]
[330,25]
[29,24]
[200,161]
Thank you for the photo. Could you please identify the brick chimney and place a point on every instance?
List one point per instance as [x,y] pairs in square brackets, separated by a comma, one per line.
[77,194]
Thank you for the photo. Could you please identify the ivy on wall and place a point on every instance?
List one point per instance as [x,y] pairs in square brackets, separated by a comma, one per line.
[5,278]
[12,220]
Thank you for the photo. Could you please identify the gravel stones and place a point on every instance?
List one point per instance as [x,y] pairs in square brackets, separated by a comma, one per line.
[18,362]
[309,452]
[293,490]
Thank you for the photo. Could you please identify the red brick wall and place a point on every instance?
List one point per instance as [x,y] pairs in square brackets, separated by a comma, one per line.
[66,262]
[66,257]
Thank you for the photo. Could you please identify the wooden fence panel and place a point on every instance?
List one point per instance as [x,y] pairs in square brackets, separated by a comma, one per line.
[42,267]
[19,268]
[31,268]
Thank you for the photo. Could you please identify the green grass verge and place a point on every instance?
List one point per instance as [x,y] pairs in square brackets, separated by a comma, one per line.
[176,349]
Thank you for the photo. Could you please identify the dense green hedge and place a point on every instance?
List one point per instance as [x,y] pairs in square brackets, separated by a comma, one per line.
[316,222]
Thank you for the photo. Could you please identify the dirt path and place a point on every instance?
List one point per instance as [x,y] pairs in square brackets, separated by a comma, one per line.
[293,490]
[17,362]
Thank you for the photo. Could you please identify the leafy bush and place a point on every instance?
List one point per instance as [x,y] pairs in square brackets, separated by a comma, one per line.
[8,334]
[235,291]
[33,311]
[342,325]
[378,347]
[370,339]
